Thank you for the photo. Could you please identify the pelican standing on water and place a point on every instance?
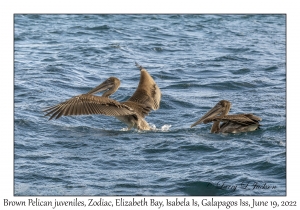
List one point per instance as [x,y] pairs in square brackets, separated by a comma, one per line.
[230,123]
[132,112]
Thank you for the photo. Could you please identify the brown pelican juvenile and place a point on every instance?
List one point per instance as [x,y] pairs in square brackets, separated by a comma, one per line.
[231,123]
[132,112]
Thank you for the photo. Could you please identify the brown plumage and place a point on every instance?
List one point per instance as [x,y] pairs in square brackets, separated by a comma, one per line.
[230,123]
[132,112]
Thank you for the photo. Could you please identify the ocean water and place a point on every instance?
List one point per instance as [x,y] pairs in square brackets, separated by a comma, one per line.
[196,60]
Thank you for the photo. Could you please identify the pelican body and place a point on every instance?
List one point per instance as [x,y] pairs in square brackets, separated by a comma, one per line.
[131,112]
[230,123]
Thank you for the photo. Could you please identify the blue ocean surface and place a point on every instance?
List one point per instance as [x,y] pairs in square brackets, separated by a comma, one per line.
[196,60]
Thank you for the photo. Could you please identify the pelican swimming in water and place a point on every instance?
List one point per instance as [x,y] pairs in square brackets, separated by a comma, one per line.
[230,123]
[132,112]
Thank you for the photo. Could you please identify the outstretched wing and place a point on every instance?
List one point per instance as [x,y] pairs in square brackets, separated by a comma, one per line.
[87,104]
[140,109]
[147,92]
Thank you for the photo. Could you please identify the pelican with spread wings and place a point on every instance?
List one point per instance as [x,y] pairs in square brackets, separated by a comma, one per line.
[132,112]
[230,123]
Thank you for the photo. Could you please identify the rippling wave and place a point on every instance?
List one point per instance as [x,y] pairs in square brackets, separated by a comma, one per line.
[196,60]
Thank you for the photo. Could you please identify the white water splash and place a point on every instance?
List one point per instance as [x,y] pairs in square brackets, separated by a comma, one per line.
[163,128]
[166,127]
[124,129]
[153,128]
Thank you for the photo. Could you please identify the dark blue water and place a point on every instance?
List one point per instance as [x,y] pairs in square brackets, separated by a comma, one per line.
[196,60]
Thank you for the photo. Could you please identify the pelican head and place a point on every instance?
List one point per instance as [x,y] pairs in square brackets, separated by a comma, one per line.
[111,85]
[221,108]
[139,66]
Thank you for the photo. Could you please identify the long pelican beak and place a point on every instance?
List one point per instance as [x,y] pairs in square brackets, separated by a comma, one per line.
[217,109]
[107,84]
